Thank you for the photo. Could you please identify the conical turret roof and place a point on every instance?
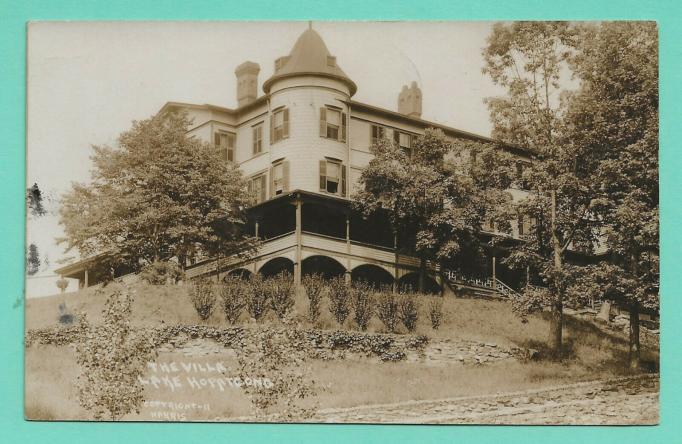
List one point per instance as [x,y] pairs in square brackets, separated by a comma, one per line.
[309,56]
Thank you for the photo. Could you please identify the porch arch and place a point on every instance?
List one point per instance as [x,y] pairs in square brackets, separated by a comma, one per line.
[410,282]
[241,273]
[327,266]
[277,265]
[375,275]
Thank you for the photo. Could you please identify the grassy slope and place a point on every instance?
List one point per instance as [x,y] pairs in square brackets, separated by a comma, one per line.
[51,371]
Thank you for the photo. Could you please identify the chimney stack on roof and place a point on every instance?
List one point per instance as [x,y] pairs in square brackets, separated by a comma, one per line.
[247,82]
[410,101]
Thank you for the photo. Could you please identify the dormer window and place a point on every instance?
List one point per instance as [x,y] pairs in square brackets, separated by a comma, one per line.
[279,125]
[224,142]
[333,123]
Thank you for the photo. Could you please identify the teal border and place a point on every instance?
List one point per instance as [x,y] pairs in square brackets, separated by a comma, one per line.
[13,17]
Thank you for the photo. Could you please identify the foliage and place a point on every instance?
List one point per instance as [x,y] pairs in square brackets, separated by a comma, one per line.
[257,297]
[32,260]
[281,295]
[34,201]
[435,312]
[159,194]
[615,114]
[339,299]
[281,357]
[233,295]
[387,310]
[363,304]
[203,297]
[530,60]
[162,273]
[408,311]
[313,284]
[112,357]
[437,197]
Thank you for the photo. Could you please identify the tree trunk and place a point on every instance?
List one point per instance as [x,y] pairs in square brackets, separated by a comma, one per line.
[556,321]
[634,337]
[422,273]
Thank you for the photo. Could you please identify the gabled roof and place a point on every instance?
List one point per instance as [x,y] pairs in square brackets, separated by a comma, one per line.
[309,56]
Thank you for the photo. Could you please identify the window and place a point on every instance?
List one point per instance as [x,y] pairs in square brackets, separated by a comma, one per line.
[378,133]
[257,187]
[258,138]
[279,125]
[333,124]
[404,141]
[279,177]
[520,168]
[224,143]
[332,177]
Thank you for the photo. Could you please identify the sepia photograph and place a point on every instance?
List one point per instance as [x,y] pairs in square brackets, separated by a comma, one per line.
[383,222]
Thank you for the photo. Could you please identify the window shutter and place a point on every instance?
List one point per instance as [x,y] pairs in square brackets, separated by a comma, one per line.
[323,175]
[263,188]
[285,176]
[216,139]
[254,137]
[343,127]
[285,124]
[272,129]
[396,137]
[344,175]
[249,187]
[272,183]
[323,122]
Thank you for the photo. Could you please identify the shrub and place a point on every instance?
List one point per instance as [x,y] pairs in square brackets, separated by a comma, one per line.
[339,299]
[65,315]
[435,312]
[387,310]
[112,357]
[233,296]
[408,311]
[280,293]
[278,359]
[257,297]
[161,273]
[203,297]
[313,284]
[363,304]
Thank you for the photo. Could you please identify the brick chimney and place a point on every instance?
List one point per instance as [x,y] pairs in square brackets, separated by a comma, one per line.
[247,82]
[410,101]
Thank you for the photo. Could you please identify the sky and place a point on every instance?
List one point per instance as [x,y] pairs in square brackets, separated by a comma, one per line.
[87,82]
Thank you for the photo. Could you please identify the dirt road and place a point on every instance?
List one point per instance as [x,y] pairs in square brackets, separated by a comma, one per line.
[631,400]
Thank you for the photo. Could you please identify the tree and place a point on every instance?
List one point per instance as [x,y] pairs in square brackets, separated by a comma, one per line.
[160,194]
[34,200]
[530,59]
[437,195]
[615,114]
[32,260]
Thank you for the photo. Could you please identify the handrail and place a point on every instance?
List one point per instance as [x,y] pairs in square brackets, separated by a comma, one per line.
[486,282]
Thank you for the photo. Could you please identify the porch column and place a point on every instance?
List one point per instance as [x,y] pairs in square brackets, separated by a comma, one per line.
[297,265]
[527,276]
[494,280]
[348,272]
[85,280]
[256,229]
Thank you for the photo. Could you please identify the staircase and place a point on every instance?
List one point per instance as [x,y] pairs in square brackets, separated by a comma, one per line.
[479,286]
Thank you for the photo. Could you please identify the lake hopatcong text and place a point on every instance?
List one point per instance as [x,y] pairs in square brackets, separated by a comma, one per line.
[196,376]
